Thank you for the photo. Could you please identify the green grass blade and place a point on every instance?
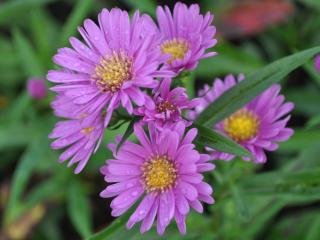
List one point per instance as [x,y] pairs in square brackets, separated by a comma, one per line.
[20,179]
[28,57]
[75,19]
[79,209]
[210,138]
[254,84]
[13,9]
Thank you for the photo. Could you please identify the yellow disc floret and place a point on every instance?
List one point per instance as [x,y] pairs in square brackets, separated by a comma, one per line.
[164,106]
[159,174]
[177,48]
[242,125]
[113,71]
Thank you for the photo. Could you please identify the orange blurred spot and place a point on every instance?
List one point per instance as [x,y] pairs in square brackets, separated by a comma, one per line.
[253,16]
[21,228]
[3,101]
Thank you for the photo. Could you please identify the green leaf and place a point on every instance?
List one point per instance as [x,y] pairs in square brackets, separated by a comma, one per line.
[240,201]
[14,8]
[300,140]
[314,230]
[147,6]
[79,209]
[30,63]
[75,19]
[314,74]
[262,218]
[314,4]
[115,225]
[47,190]
[313,122]
[19,107]
[44,31]
[20,179]
[210,138]
[127,133]
[254,84]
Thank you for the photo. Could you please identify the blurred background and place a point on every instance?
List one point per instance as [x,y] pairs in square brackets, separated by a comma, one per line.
[41,199]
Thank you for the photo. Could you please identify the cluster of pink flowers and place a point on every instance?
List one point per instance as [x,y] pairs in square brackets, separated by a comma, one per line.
[131,64]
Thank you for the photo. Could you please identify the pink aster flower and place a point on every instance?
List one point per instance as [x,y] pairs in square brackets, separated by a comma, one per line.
[317,63]
[80,133]
[166,105]
[186,35]
[37,88]
[164,170]
[258,126]
[119,58]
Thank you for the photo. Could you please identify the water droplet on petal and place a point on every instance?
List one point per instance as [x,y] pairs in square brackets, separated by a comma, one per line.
[141,212]
[135,193]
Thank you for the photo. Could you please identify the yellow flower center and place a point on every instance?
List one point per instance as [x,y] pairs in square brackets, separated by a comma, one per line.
[159,174]
[242,125]
[113,71]
[164,106]
[177,48]
[87,130]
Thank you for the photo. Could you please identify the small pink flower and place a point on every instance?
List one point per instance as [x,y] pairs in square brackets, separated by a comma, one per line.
[164,170]
[37,88]
[118,59]
[186,35]
[166,106]
[258,126]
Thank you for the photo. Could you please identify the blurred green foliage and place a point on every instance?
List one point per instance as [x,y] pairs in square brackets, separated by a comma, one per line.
[280,200]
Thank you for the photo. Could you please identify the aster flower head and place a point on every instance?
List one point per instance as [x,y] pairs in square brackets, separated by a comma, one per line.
[37,88]
[258,126]
[164,171]
[119,58]
[166,105]
[80,133]
[186,35]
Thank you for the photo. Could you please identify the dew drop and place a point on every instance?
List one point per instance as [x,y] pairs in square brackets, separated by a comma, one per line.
[141,212]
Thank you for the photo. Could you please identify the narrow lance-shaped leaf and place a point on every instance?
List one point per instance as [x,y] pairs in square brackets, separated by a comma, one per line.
[253,85]
[20,179]
[240,201]
[210,138]
[127,133]
[18,7]
[28,57]
[313,122]
[115,225]
[79,209]
[147,6]
[77,16]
